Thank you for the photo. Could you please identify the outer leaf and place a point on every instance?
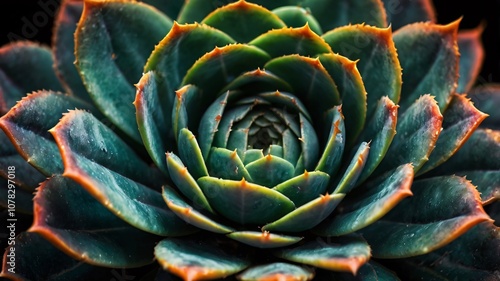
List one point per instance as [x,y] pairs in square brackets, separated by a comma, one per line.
[24,67]
[342,254]
[403,12]
[198,260]
[435,70]
[277,271]
[243,21]
[28,124]
[107,241]
[54,266]
[378,61]
[459,122]
[471,57]
[487,99]
[263,239]
[443,208]
[110,42]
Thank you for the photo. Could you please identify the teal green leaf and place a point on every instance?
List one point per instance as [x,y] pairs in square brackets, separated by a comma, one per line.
[35,260]
[369,202]
[487,99]
[288,41]
[171,8]
[197,10]
[352,172]
[263,239]
[379,132]
[306,216]
[435,70]
[13,195]
[190,214]
[460,120]
[107,241]
[270,170]
[332,154]
[226,164]
[276,271]
[370,271]
[332,14]
[185,182]
[403,12]
[63,43]
[443,208]
[294,16]
[305,187]
[187,111]
[253,155]
[471,57]
[111,42]
[352,92]
[378,61]
[214,70]
[244,202]
[257,81]
[209,124]
[278,99]
[82,133]
[190,153]
[418,129]
[340,254]
[487,183]
[309,142]
[28,124]
[25,67]
[198,260]
[243,21]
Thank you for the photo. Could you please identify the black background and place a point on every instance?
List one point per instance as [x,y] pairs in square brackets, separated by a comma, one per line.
[14,17]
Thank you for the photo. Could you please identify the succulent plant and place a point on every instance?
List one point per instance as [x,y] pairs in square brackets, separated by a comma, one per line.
[332,140]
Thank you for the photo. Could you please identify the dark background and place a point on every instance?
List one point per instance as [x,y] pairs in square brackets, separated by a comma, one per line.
[13,18]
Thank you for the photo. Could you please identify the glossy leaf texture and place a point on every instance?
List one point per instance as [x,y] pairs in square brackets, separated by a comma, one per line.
[403,12]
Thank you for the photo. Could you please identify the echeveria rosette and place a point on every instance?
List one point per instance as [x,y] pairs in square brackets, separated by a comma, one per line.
[252,140]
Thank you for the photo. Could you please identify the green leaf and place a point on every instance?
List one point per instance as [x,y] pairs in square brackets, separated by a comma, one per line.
[28,124]
[443,208]
[197,260]
[82,133]
[270,170]
[209,124]
[352,92]
[226,164]
[370,271]
[288,41]
[306,216]
[295,16]
[63,42]
[305,187]
[277,271]
[111,42]
[190,153]
[471,57]
[34,260]
[401,13]
[332,154]
[331,14]
[486,182]
[435,69]
[378,61]
[460,120]
[190,215]
[352,172]
[258,81]
[340,254]
[263,239]
[170,8]
[243,21]
[197,10]
[379,132]
[418,129]
[25,67]
[244,202]
[65,215]
[487,99]
[369,202]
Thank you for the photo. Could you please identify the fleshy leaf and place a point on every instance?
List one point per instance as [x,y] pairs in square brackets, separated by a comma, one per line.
[443,208]
[340,254]
[243,21]
[378,61]
[258,81]
[244,202]
[487,99]
[198,260]
[403,12]
[107,241]
[369,202]
[435,70]
[226,164]
[28,123]
[305,187]
[263,239]
[295,16]
[352,172]
[471,57]
[487,183]
[334,148]
[460,120]
[24,67]
[277,271]
[38,259]
[270,170]
[191,215]
[111,42]
[418,129]
[190,153]
[63,43]
[306,216]
[209,124]
[170,8]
